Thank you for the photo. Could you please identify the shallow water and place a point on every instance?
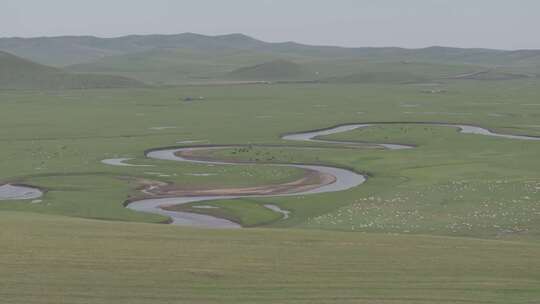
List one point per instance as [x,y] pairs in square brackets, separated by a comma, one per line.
[191,141]
[465,129]
[312,135]
[344,179]
[121,162]
[162,128]
[15,192]
[201,174]
[277,209]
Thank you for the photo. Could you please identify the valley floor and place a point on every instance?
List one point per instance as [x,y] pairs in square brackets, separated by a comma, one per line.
[454,219]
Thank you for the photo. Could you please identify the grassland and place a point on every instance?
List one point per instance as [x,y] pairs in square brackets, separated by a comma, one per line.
[457,219]
[48,259]
[43,148]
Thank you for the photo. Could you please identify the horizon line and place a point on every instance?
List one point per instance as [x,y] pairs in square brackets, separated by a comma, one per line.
[261,40]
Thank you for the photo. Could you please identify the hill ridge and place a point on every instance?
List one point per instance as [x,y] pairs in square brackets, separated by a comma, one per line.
[19,73]
[71,49]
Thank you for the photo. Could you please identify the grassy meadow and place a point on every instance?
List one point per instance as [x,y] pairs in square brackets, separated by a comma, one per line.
[50,259]
[456,219]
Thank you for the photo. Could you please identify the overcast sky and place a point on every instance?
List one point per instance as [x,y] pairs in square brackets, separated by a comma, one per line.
[505,24]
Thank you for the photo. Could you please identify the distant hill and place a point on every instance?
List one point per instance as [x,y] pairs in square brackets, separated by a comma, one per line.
[402,72]
[494,74]
[378,77]
[69,50]
[188,57]
[173,66]
[18,73]
[273,70]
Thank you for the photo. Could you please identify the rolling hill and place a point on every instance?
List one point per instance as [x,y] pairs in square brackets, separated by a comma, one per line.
[174,66]
[273,70]
[378,77]
[494,74]
[18,73]
[187,58]
[69,50]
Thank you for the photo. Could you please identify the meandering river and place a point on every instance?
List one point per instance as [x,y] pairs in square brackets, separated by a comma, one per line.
[344,179]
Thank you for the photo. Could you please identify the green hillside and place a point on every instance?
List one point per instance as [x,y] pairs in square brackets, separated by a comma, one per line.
[193,58]
[177,66]
[69,50]
[63,51]
[273,70]
[378,77]
[18,73]
[174,66]
[494,74]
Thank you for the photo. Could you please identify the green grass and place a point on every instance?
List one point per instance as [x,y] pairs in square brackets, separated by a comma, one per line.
[47,259]
[246,212]
[454,220]
[42,147]
[172,67]
[396,239]
[274,70]
[192,58]
[475,186]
